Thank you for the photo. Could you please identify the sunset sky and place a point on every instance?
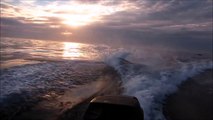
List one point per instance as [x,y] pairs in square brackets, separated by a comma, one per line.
[165,22]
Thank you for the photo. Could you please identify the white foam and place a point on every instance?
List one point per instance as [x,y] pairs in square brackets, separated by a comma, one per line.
[151,87]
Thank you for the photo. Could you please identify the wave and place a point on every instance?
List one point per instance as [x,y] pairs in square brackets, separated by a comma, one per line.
[48,75]
[149,76]
[150,85]
[59,86]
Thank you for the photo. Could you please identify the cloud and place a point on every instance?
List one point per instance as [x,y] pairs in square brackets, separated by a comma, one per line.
[164,13]
[162,22]
[66,15]
[10,27]
[72,13]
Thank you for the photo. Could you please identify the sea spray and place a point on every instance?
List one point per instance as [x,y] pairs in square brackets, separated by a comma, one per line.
[151,86]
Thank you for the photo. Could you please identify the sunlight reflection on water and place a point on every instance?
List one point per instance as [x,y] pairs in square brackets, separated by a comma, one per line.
[41,50]
[30,49]
[74,50]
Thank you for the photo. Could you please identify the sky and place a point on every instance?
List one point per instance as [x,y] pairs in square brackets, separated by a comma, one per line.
[173,23]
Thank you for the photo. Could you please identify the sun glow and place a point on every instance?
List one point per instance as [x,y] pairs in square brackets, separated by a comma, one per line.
[84,14]
[78,20]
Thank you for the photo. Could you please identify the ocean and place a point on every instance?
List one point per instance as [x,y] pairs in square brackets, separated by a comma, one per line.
[38,74]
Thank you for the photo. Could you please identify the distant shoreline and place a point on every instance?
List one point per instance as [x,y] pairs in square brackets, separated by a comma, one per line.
[193,100]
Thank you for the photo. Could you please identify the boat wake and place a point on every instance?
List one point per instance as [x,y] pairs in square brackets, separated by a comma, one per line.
[150,84]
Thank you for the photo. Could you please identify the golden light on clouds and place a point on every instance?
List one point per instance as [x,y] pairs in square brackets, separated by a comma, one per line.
[85,14]
[57,13]
[79,20]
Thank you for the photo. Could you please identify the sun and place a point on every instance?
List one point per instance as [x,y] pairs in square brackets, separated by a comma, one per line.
[79,20]
[84,14]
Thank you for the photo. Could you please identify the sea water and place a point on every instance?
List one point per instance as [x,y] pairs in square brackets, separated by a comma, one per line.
[151,74]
